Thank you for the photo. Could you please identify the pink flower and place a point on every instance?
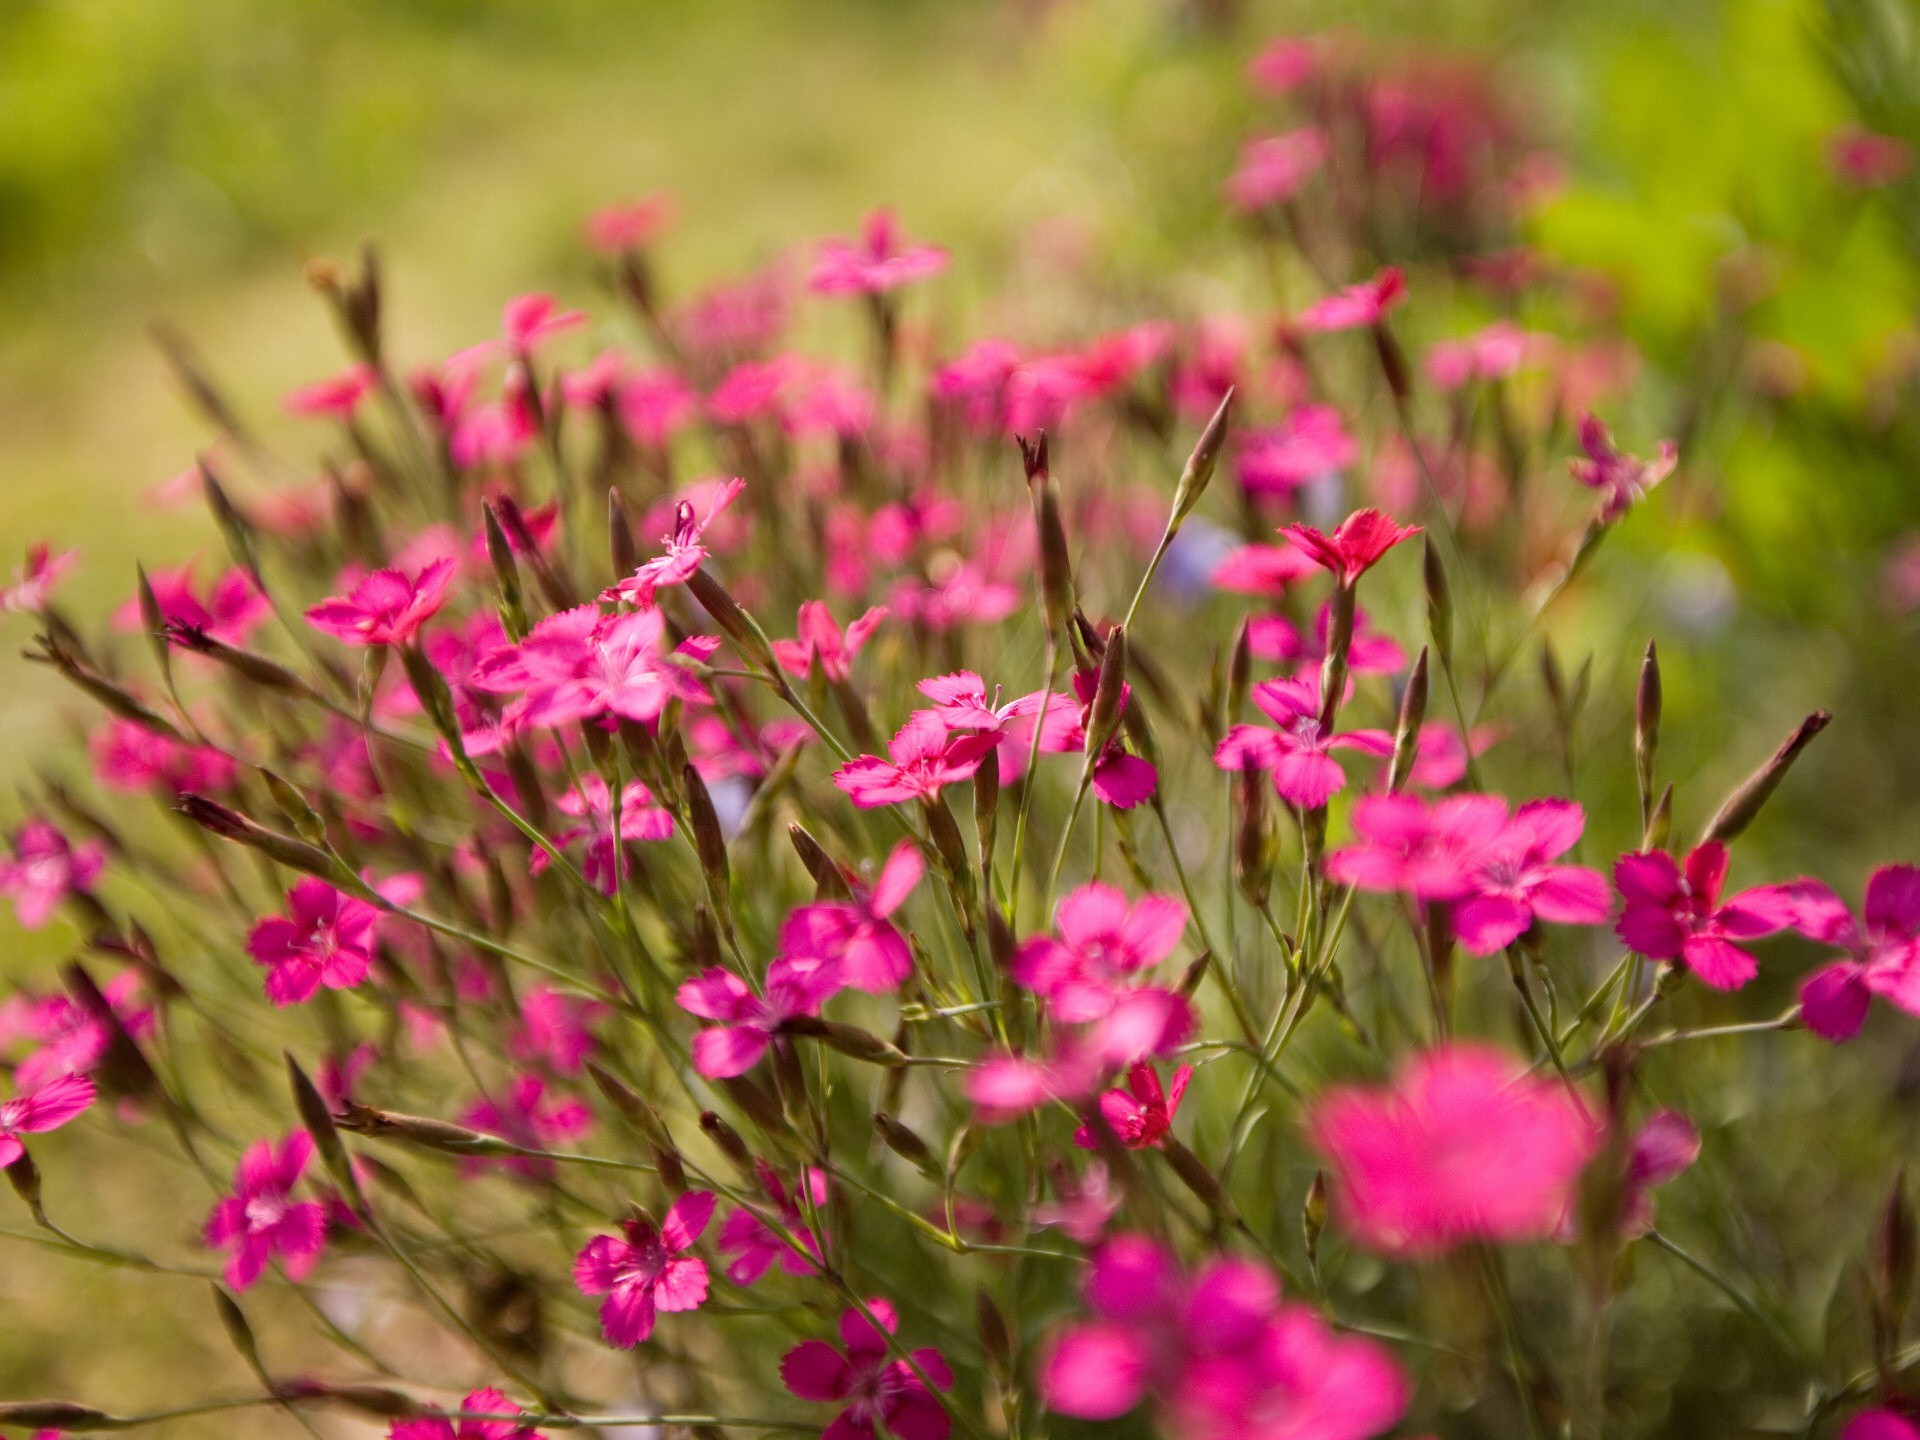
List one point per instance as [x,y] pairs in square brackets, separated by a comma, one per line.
[748,1022]
[1141,1115]
[640,819]
[1286,64]
[878,1392]
[1364,304]
[752,1243]
[1428,850]
[976,383]
[1466,1145]
[1304,772]
[527,320]
[338,396]
[1226,1359]
[325,939]
[1440,754]
[1514,881]
[646,1269]
[1262,569]
[821,639]
[631,224]
[386,608]
[233,609]
[1083,1211]
[128,756]
[923,760]
[35,580]
[1661,1149]
[1355,546]
[683,552]
[45,869]
[553,1029]
[1883,949]
[1880,1425]
[1309,443]
[1488,354]
[1004,1086]
[877,262]
[580,664]
[1104,943]
[1866,160]
[1369,651]
[69,1040]
[855,935]
[1675,913]
[1621,479]
[525,1115]
[47,1107]
[655,405]
[959,595]
[1274,167]
[478,1402]
[1119,779]
[261,1219]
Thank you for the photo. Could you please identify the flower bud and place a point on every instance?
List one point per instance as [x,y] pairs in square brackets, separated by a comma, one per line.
[1646,728]
[704,822]
[1104,714]
[1195,972]
[1894,1250]
[234,1321]
[1737,813]
[1195,1175]
[1439,603]
[1239,675]
[154,623]
[54,1415]
[506,575]
[1333,670]
[986,809]
[1413,714]
[293,805]
[422,1131]
[620,542]
[559,594]
[244,663]
[1313,1216]
[319,1122]
[829,883]
[1033,456]
[233,526]
[1252,852]
[54,652]
[849,1040]
[1056,563]
[735,623]
[230,824]
[1199,467]
[906,1144]
[996,1337]
[756,1104]
[728,1141]
[1660,822]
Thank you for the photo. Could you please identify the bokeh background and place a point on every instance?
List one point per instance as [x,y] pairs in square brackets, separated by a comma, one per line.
[180,160]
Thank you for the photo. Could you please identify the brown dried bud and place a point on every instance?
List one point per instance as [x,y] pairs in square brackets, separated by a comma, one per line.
[1033,456]
[54,1415]
[1737,813]
[996,1336]
[728,1140]
[423,1131]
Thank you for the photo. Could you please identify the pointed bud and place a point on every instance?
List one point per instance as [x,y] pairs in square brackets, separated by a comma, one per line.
[620,542]
[1200,464]
[1195,972]
[506,576]
[1333,670]
[1439,603]
[54,1415]
[1413,714]
[318,1120]
[1239,675]
[1737,813]
[1895,1245]
[423,1131]
[24,1176]
[1033,456]
[230,824]
[1056,563]
[708,838]
[1660,823]
[233,526]
[736,624]
[727,1140]
[245,663]
[829,883]
[849,1040]
[293,805]
[155,624]
[756,1103]
[558,593]
[1103,716]
[234,1321]
[1313,1216]
[906,1144]
[1252,853]
[996,1337]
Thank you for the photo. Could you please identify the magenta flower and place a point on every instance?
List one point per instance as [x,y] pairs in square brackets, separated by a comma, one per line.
[1664,1147]
[1309,443]
[1141,1115]
[553,1029]
[1304,772]
[655,405]
[45,869]
[1104,943]
[589,801]
[822,642]
[1880,1425]
[683,552]
[485,1401]
[527,320]
[1274,167]
[1083,1211]
[526,1115]
[34,1111]
[128,756]
[923,760]
[751,1241]
[580,664]
[961,594]
[1441,753]
[35,580]
[646,1269]
[1355,546]
[337,397]
[1488,354]
[748,1022]
[1119,779]
[232,610]
[1465,1145]
[1262,569]
[879,261]
[855,936]
[325,939]
[1621,479]
[1514,880]
[1003,1087]
[261,1219]
[631,224]
[1883,949]
[1867,160]
[1429,850]
[1224,1357]
[386,608]
[878,1392]
[1676,914]
[68,1040]
[1364,304]
[1369,651]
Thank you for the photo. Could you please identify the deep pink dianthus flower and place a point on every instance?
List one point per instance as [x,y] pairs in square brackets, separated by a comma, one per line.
[855,935]
[45,869]
[645,1269]
[386,608]
[1882,946]
[261,1219]
[1356,545]
[747,1022]
[35,1111]
[879,261]
[1675,913]
[325,939]
[485,1401]
[876,1391]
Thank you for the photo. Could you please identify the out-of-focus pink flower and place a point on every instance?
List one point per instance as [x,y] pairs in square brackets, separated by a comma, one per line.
[1274,167]
[746,1022]
[820,638]
[729,322]
[1262,569]
[233,609]
[877,1392]
[683,551]
[646,1269]
[553,1029]
[1622,479]
[524,1114]
[336,1075]
[1309,443]
[855,935]
[1104,943]
[1355,546]
[68,1040]
[1297,753]
[1428,850]
[1880,1425]
[975,382]
[591,802]
[1465,1145]
[1285,64]
[959,594]
[1364,304]
[1515,881]
[1141,1115]
[337,397]
[1883,949]
[923,759]
[1119,779]
[36,578]
[655,404]
[386,608]
[45,869]
[325,939]
[528,320]
[1900,576]
[1661,1149]
[45,1107]
[1084,1210]
[128,756]
[1489,354]
[1867,160]
[879,261]
[753,1244]
[262,1220]
[1218,1350]
[1440,754]
[1004,1086]
[1675,913]
[1111,362]
[478,1402]
[632,224]
[1369,651]
[579,664]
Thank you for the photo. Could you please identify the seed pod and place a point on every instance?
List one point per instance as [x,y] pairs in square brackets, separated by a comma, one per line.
[1413,714]
[506,575]
[1199,467]
[1103,716]
[620,542]
[708,839]
[1739,809]
[1313,1216]
[54,1415]
[756,1104]
[728,1140]
[1333,670]
[234,1321]
[1439,603]
[230,824]
[319,1121]
[1195,972]
[849,1040]
[735,623]
[906,1144]
[1056,562]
